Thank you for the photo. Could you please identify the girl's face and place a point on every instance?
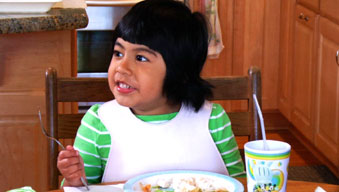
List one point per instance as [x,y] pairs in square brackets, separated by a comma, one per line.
[136,75]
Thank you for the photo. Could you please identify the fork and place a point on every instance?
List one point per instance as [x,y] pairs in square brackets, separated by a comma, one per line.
[59,143]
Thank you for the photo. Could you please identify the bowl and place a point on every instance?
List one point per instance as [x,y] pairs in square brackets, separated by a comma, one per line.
[153,179]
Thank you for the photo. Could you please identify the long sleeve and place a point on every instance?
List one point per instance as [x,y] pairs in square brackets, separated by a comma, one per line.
[93,143]
[222,134]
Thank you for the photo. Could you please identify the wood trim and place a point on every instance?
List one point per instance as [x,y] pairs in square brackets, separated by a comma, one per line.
[329,9]
[275,120]
[311,4]
[74,63]
[314,151]
[74,54]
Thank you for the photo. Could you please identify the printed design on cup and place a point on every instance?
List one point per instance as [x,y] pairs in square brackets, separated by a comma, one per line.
[267,175]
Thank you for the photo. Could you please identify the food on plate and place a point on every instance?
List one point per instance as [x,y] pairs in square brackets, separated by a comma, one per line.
[185,184]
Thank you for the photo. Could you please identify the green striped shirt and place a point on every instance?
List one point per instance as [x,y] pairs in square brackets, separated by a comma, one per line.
[93,141]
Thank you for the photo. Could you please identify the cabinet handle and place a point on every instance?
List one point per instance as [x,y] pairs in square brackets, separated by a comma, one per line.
[337,58]
[301,16]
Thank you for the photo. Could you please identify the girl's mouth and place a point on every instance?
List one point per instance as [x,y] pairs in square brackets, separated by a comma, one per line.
[124,88]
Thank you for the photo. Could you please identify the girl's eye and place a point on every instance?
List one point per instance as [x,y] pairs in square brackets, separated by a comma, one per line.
[117,53]
[141,58]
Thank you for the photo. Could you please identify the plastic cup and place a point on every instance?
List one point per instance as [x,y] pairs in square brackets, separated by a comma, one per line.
[267,169]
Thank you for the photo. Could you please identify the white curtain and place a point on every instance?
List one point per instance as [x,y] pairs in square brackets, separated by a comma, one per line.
[210,9]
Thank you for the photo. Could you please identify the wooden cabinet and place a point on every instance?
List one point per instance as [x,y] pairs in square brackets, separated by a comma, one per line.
[327,91]
[303,70]
[310,67]
[23,61]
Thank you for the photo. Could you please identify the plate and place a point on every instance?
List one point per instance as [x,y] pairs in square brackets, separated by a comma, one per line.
[220,180]
[26,6]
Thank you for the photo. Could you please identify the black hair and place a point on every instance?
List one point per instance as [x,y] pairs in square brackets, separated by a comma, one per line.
[181,37]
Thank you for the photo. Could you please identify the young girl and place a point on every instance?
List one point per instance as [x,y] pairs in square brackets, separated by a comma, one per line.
[160,118]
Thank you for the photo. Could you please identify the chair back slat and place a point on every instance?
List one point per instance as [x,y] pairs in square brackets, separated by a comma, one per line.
[83,90]
[230,88]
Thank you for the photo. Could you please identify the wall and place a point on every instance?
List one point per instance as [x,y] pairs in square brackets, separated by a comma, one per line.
[250,32]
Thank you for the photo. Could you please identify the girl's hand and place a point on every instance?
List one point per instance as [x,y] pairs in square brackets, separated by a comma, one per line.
[71,166]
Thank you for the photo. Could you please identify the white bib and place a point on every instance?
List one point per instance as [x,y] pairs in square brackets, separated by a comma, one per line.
[138,147]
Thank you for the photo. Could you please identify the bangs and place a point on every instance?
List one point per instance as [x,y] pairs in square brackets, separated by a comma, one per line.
[154,25]
[142,36]
[141,28]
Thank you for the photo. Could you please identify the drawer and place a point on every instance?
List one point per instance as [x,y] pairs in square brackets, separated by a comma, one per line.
[329,9]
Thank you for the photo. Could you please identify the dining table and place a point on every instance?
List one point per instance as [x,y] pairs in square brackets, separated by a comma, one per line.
[292,186]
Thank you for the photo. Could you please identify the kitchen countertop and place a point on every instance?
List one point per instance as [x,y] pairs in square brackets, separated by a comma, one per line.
[57,18]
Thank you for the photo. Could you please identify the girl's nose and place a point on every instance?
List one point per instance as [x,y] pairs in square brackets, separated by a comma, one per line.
[124,66]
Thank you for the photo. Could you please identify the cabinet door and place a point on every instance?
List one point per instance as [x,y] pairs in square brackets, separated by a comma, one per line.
[327,92]
[303,70]
[24,59]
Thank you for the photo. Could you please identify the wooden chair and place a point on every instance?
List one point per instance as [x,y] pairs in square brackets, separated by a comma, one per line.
[63,126]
